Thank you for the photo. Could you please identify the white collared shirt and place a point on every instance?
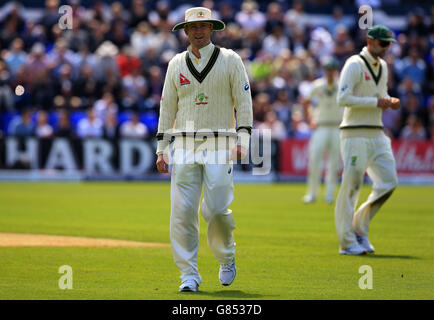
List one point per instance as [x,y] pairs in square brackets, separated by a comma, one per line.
[188,104]
[205,54]
[359,93]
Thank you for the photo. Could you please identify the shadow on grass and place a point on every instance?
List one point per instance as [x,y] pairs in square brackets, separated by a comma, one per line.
[233,294]
[390,256]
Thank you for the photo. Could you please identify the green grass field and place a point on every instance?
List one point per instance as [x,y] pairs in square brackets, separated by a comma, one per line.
[285,249]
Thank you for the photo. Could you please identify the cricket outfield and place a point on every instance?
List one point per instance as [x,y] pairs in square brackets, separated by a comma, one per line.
[285,249]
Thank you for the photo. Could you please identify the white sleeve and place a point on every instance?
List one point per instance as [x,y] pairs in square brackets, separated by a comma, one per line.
[168,108]
[350,76]
[242,98]
[384,80]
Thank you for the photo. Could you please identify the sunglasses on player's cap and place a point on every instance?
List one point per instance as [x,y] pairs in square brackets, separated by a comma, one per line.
[381,33]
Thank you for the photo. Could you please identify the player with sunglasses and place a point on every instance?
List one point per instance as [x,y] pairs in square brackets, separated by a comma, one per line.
[364,146]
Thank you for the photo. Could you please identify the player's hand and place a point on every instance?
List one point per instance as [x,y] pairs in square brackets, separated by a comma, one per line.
[238,153]
[383,103]
[395,103]
[162,163]
[313,125]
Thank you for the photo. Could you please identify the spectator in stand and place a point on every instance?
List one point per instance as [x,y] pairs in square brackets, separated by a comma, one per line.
[7,102]
[321,43]
[277,41]
[227,12]
[413,67]
[250,18]
[299,127]
[165,40]
[86,86]
[90,127]
[274,16]
[63,128]
[272,123]
[9,31]
[133,128]
[338,19]
[412,106]
[261,106]
[16,57]
[282,107]
[413,130]
[408,87]
[32,33]
[135,88]
[128,60]
[139,13]
[22,126]
[78,36]
[155,87]
[111,127]
[105,106]
[43,129]
[50,17]
[37,63]
[143,38]
[344,45]
[161,13]
[60,56]
[296,18]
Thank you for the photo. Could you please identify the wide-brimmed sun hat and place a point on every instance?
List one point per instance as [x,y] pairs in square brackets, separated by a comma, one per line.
[200,14]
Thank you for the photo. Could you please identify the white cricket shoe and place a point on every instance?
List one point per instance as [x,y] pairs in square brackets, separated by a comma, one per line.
[364,242]
[355,249]
[309,198]
[189,285]
[227,273]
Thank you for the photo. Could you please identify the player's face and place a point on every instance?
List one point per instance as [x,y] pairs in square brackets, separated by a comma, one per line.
[199,33]
[329,73]
[380,47]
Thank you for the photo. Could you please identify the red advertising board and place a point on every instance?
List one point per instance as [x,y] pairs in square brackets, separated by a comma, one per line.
[413,158]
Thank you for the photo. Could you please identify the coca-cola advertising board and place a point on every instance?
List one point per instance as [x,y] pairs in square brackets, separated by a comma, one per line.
[413,158]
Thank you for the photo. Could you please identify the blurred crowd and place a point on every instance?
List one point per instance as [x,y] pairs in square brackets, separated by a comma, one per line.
[103,77]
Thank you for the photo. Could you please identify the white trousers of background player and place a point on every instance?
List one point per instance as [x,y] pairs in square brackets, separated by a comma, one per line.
[360,155]
[323,139]
[191,171]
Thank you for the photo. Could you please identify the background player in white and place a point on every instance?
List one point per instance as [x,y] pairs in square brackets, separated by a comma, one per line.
[203,87]
[364,146]
[325,117]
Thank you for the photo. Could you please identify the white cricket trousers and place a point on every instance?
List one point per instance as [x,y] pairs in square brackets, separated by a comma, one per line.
[190,172]
[360,155]
[323,139]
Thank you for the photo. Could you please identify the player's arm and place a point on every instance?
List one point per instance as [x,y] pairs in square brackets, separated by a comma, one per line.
[242,98]
[387,101]
[349,78]
[306,103]
[168,109]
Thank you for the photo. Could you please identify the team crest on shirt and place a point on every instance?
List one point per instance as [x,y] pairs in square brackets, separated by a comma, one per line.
[200,99]
[353,160]
[183,80]
[367,77]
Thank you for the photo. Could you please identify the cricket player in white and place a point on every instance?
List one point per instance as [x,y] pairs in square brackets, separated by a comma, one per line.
[325,118]
[364,146]
[204,87]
